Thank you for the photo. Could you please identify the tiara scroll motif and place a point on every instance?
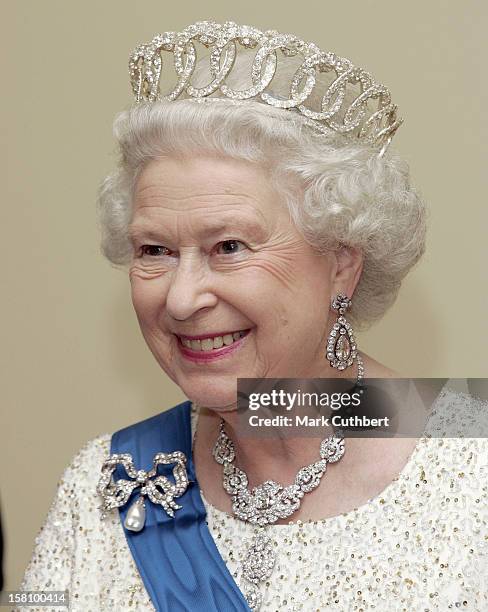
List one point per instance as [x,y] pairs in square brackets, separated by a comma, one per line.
[370,117]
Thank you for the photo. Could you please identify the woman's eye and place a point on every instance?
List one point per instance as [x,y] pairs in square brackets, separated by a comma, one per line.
[226,247]
[154,250]
[230,246]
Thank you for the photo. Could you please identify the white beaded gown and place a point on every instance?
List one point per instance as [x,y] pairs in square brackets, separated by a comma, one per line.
[420,545]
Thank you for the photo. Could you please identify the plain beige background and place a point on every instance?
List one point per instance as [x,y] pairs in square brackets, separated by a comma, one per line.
[74,362]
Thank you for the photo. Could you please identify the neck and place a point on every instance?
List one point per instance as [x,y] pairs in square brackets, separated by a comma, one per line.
[272,455]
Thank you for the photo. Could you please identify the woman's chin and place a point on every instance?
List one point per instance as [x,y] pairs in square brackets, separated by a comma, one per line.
[215,392]
[220,400]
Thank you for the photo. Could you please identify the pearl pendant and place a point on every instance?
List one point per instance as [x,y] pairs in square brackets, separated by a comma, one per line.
[136,516]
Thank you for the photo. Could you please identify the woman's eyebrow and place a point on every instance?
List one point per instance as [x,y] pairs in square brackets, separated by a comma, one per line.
[137,230]
[230,224]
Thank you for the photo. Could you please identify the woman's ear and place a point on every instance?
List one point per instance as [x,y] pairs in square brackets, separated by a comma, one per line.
[349,265]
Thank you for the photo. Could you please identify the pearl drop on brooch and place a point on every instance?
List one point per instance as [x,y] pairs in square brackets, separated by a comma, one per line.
[136,516]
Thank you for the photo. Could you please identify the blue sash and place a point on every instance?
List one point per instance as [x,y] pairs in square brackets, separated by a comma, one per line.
[177,558]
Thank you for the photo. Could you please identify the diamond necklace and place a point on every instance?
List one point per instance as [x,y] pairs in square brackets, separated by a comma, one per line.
[268,502]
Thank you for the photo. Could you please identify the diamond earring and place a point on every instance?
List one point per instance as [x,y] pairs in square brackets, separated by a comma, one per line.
[341,345]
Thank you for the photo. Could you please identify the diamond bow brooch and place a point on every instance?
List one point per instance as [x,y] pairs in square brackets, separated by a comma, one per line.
[158,488]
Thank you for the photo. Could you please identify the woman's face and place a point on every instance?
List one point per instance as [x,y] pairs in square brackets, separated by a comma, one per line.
[215,253]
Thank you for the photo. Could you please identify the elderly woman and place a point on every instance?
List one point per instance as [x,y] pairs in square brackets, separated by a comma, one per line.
[261,220]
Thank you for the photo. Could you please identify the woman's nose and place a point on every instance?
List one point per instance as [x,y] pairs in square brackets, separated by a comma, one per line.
[189,289]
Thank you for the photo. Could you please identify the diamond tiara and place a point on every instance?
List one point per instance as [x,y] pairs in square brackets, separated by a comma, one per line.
[351,103]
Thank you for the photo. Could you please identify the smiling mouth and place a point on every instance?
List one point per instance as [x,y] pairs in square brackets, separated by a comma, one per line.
[208,345]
